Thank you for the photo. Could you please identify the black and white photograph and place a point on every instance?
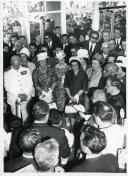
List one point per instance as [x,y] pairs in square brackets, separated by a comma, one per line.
[64,86]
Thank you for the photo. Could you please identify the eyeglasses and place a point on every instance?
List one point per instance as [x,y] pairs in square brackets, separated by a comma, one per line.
[46,38]
[94,38]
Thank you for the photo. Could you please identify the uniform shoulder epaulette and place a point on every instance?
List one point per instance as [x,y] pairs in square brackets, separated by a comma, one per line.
[7,69]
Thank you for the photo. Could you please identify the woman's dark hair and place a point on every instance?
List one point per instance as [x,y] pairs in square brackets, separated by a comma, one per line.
[76,62]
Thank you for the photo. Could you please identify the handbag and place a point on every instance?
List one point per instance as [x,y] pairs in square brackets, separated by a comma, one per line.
[74,108]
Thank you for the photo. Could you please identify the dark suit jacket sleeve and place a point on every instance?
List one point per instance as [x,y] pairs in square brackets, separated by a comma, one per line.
[64,146]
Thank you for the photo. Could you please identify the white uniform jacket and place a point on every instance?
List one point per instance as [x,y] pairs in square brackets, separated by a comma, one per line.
[18,82]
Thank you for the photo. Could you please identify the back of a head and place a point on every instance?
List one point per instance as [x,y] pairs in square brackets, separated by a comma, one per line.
[28,138]
[104,111]
[40,110]
[46,154]
[99,95]
[55,116]
[94,139]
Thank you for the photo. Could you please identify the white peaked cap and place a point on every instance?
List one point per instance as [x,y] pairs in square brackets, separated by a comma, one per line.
[25,51]
[42,56]
[74,58]
[82,53]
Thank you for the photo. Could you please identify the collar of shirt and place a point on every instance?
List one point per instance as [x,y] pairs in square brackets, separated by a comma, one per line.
[50,44]
[92,44]
[105,55]
[93,156]
[27,156]
[64,45]
[118,41]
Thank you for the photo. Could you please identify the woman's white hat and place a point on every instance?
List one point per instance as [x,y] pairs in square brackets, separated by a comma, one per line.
[25,51]
[74,58]
[42,56]
[82,53]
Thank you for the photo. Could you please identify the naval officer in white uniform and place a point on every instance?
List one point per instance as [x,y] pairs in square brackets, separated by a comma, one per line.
[19,86]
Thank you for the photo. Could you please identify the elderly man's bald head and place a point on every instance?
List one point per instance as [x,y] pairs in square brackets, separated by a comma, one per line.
[99,95]
[15,62]
[111,69]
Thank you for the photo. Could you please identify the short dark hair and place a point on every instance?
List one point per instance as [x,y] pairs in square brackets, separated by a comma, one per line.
[55,116]
[28,138]
[64,35]
[112,55]
[42,45]
[14,36]
[94,32]
[5,45]
[47,20]
[40,110]
[79,64]
[22,36]
[103,110]
[48,34]
[94,139]
[117,29]
[57,27]
[73,35]
[33,44]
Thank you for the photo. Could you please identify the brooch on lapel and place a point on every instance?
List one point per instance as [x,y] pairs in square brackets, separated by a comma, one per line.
[23,72]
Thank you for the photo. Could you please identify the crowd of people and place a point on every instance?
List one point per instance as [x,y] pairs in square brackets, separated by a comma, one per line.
[64,101]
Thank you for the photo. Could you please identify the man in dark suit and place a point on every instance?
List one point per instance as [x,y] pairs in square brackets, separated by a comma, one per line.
[51,45]
[28,138]
[122,52]
[66,47]
[118,38]
[92,142]
[41,116]
[57,36]
[92,44]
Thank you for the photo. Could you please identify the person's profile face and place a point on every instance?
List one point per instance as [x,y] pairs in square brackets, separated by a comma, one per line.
[95,64]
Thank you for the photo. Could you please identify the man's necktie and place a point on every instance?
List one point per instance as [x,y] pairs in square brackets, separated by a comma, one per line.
[90,48]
